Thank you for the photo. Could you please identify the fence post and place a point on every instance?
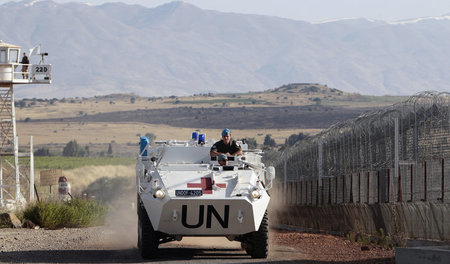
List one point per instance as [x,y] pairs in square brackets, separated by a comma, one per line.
[359,187]
[285,177]
[343,188]
[443,182]
[425,181]
[336,189]
[400,194]
[16,163]
[317,192]
[321,194]
[329,190]
[416,153]
[412,185]
[396,158]
[306,192]
[31,170]
[368,187]
[378,187]
[288,194]
[295,187]
[320,169]
[301,192]
[388,185]
[351,188]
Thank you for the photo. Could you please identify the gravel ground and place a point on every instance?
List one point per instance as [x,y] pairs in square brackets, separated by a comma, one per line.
[327,248]
[113,244]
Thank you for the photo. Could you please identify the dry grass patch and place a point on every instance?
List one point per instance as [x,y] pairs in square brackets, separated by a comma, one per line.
[123,133]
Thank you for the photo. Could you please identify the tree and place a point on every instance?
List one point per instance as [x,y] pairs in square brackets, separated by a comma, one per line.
[132,100]
[269,141]
[72,149]
[20,103]
[42,152]
[86,151]
[292,139]
[317,100]
[110,151]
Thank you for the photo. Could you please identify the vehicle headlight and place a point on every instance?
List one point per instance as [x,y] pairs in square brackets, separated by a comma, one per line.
[256,194]
[159,194]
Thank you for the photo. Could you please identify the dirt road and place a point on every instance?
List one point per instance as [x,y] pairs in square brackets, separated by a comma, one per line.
[117,244]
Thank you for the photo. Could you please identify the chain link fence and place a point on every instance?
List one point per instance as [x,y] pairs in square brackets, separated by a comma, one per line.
[396,154]
[9,183]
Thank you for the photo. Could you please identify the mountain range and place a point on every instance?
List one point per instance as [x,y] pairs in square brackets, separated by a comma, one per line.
[180,49]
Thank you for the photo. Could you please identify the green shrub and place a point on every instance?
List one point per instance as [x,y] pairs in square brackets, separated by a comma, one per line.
[73,213]
[382,239]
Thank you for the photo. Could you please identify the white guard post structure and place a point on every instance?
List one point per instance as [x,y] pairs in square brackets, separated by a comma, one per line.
[182,191]
[13,72]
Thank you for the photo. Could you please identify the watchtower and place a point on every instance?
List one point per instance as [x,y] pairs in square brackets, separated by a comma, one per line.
[13,71]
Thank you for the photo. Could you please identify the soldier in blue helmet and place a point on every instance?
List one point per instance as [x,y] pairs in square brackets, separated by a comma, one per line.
[225,145]
[222,159]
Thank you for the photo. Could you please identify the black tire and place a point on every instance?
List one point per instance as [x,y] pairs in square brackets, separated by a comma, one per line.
[148,239]
[257,243]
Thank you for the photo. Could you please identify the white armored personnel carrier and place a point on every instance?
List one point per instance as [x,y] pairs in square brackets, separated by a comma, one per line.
[182,191]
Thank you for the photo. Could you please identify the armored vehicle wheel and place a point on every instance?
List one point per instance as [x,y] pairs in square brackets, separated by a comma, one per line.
[148,240]
[257,243]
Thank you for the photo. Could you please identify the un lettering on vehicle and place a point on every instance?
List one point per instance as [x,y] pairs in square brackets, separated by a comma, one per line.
[208,212]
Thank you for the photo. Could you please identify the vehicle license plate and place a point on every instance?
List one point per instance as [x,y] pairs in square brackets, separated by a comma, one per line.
[188,193]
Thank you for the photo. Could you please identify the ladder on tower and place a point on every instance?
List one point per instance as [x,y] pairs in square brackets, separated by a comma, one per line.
[7,126]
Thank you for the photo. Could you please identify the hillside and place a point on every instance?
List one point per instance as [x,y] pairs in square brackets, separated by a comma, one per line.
[179,49]
[305,95]
[119,119]
[292,106]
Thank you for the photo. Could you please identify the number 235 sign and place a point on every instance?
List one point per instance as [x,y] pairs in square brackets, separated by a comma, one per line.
[41,69]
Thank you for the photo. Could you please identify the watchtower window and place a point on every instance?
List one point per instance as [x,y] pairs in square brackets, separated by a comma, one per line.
[2,56]
[13,56]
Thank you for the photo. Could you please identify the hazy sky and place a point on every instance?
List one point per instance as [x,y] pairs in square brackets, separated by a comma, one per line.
[312,10]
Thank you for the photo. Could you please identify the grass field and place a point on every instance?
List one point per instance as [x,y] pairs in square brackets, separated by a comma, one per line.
[128,133]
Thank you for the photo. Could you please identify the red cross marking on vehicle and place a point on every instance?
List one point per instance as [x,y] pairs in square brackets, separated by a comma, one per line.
[206,185]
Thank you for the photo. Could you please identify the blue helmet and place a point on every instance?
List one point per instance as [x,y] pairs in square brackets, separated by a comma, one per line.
[225,132]
[222,157]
